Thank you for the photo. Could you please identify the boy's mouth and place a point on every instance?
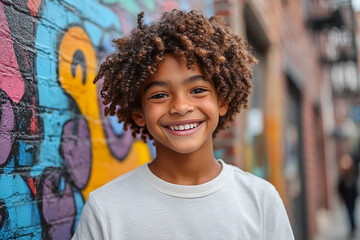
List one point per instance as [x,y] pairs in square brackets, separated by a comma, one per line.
[183,127]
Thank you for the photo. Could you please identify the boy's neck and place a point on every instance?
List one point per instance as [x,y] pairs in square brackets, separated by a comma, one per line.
[185,169]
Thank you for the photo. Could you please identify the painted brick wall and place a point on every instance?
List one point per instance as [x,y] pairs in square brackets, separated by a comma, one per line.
[55,144]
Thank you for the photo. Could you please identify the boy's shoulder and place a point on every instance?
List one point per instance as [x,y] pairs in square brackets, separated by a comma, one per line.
[122,184]
[252,183]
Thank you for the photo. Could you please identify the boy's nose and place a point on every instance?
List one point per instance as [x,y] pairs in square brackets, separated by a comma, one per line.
[181,106]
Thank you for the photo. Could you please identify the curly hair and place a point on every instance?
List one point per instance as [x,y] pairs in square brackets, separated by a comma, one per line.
[223,56]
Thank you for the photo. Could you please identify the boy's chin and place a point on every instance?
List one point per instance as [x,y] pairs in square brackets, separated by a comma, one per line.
[182,148]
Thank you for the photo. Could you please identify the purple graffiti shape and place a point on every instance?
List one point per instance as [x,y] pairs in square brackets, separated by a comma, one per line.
[57,204]
[11,80]
[75,149]
[119,145]
[7,119]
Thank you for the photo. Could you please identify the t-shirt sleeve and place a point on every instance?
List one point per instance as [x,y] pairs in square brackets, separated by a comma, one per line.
[277,225]
[91,224]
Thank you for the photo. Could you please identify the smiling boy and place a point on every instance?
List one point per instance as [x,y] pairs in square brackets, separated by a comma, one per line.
[181,110]
[179,81]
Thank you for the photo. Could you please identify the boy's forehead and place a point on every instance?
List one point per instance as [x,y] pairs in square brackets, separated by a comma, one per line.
[172,64]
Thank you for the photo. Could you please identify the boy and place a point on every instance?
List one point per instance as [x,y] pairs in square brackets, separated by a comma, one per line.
[179,82]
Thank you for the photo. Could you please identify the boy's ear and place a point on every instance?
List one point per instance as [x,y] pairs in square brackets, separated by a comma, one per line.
[223,107]
[138,117]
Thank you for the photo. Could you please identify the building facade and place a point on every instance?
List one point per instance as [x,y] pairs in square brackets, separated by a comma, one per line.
[306,67]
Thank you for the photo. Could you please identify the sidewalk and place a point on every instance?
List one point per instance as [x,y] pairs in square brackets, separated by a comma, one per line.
[334,224]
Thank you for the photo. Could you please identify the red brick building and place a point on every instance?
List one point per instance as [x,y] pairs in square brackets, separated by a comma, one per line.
[287,134]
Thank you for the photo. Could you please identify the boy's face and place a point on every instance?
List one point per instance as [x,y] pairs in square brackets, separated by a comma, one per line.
[180,108]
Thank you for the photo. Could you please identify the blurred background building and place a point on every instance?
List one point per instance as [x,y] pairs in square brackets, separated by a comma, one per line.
[56,145]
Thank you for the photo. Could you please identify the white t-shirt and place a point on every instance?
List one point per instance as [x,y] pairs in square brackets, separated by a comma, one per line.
[139,205]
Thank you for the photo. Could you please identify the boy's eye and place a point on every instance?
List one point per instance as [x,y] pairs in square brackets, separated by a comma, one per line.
[158,96]
[198,90]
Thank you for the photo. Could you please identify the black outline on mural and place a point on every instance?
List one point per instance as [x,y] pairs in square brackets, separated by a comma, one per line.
[4,213]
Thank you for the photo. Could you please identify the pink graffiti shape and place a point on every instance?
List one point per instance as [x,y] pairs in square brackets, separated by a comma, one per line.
[170,5]
[34,5]
[10,77]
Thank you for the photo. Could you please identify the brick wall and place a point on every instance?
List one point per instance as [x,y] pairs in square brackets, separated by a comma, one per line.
[301,49]
[292,45]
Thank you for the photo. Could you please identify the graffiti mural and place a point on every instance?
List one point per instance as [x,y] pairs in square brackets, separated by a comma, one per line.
[56,146]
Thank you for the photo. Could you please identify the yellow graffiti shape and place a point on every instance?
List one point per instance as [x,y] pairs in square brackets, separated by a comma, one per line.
[77,68]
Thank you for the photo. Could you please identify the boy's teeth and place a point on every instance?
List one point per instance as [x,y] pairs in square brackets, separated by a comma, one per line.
[184,127]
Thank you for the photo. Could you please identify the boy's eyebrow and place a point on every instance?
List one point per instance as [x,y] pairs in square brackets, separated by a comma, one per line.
[196,78]
[186,81]
[155,83]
